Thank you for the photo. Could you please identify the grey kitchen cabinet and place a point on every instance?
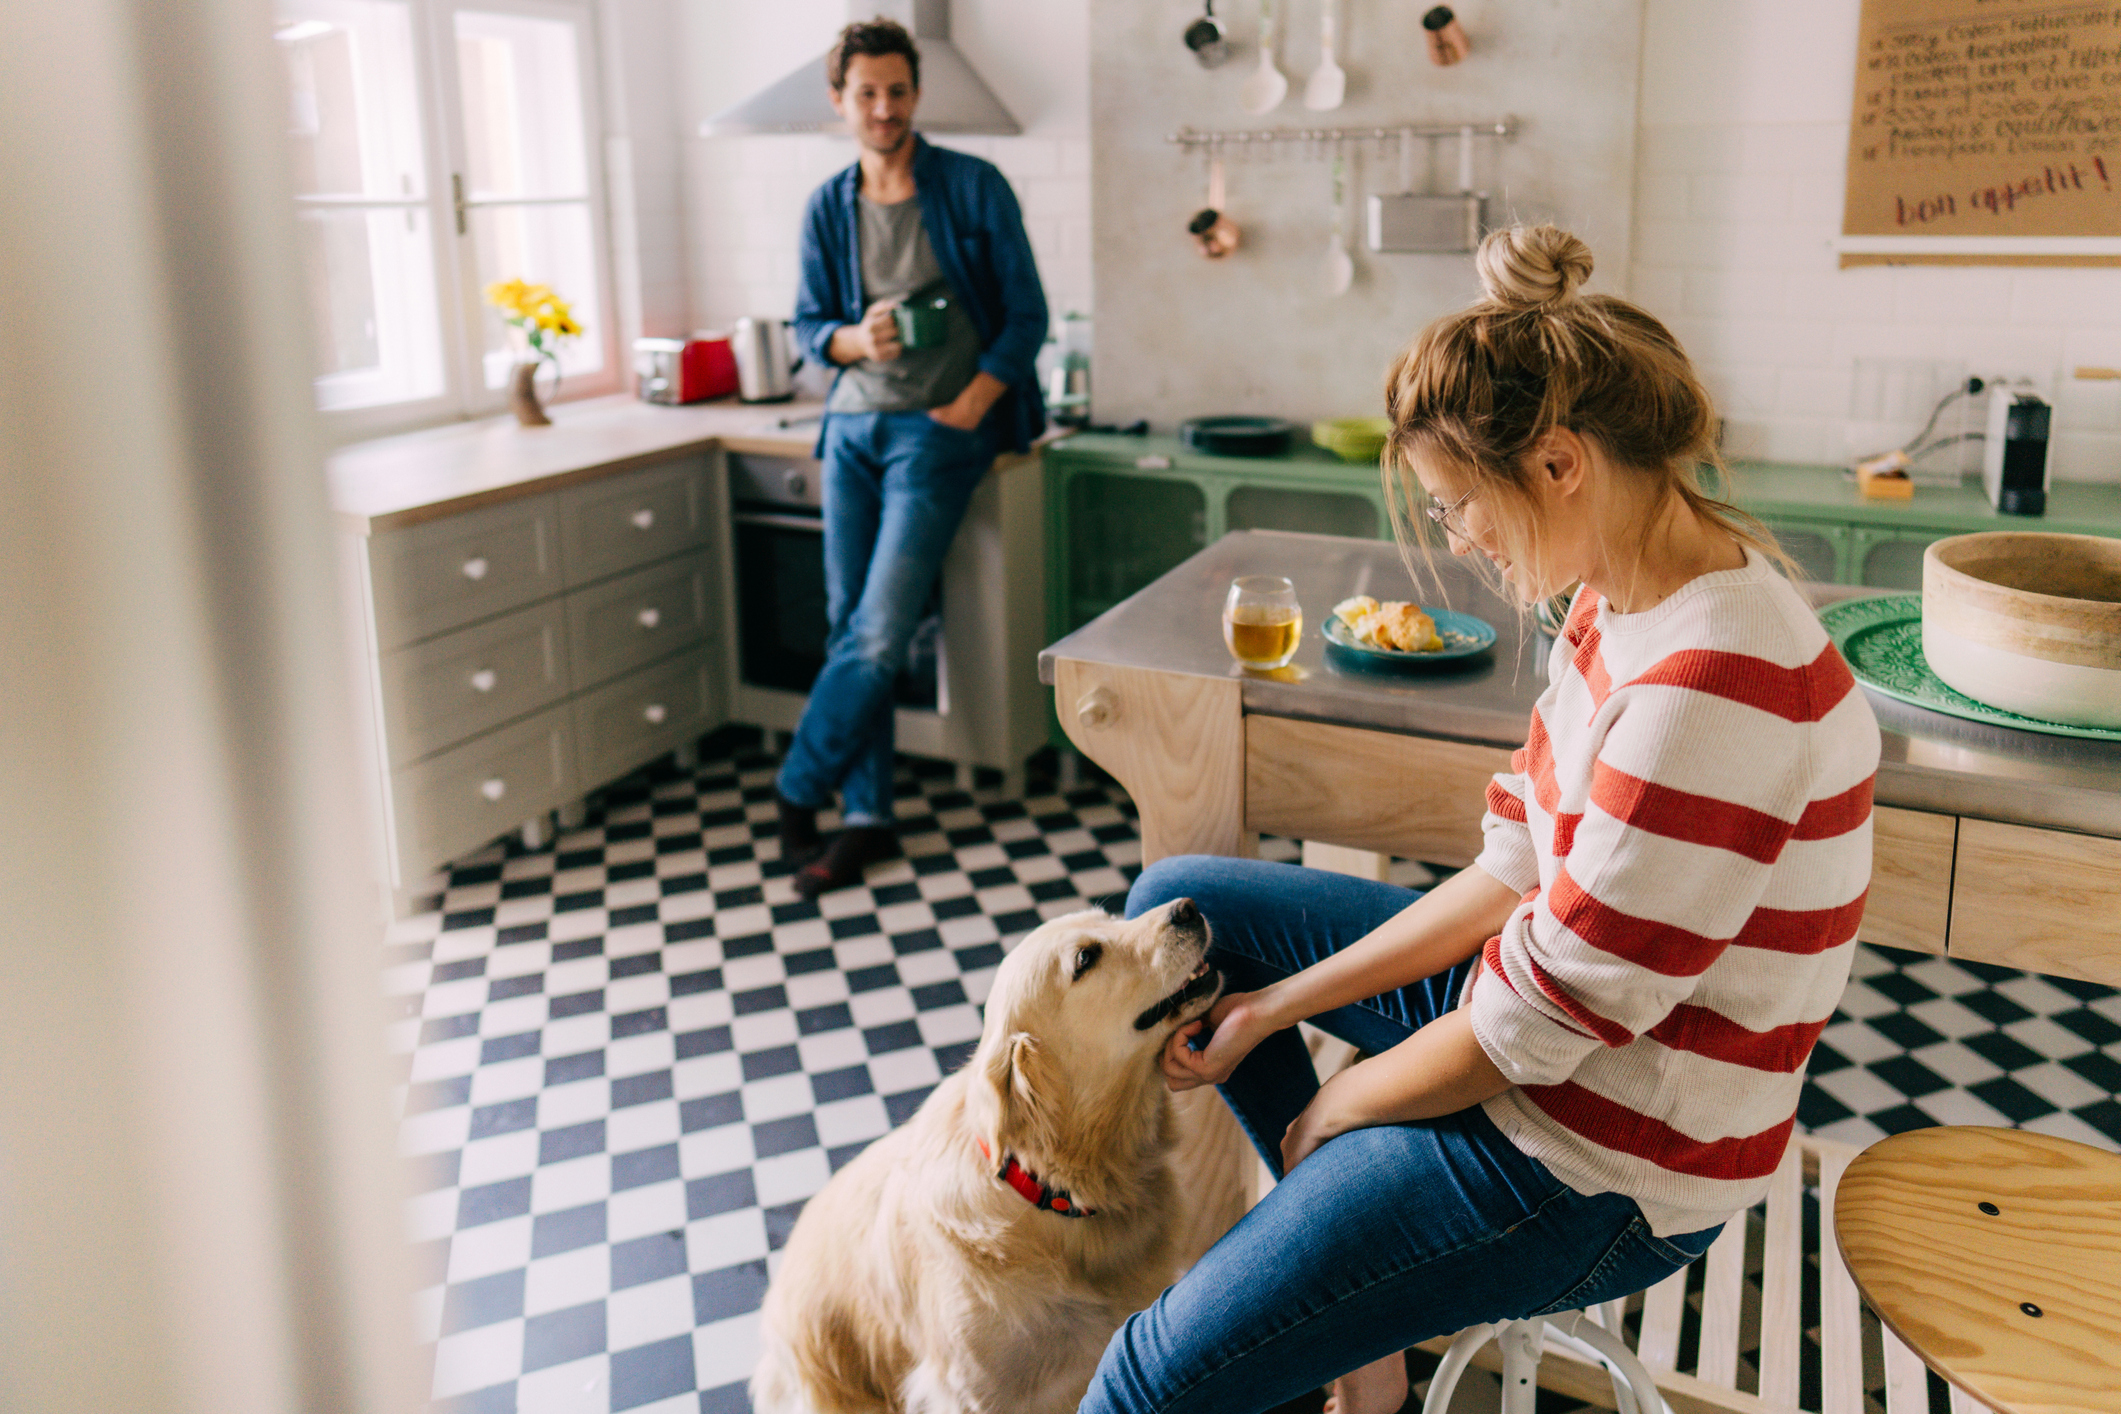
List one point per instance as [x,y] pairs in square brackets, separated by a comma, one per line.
[520,654]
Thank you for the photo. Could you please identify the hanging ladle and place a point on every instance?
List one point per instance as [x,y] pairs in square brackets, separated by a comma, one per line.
[1206,39]
[1329,82]
[1265,86]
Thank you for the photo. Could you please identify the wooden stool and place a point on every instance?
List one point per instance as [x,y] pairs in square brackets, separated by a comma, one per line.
[1995,1254]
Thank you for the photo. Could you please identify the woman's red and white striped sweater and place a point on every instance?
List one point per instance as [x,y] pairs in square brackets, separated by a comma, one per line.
[1690,824]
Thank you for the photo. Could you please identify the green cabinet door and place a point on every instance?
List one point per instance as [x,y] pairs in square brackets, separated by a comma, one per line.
[1890,559]
[1305,508]
[1124,531]
[1821,549]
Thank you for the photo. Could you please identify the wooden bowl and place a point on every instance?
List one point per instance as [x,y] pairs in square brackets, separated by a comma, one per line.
[2027,621]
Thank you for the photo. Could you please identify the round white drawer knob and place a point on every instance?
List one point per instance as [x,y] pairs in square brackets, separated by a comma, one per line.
[656,713]
[494,788]
[475,567]
[643,518]
[483,680]
[649,618]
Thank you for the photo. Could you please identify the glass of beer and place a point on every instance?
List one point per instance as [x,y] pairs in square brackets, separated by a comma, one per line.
[1262,620]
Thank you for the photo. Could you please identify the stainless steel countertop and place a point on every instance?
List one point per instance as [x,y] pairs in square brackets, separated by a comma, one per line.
[1928,761]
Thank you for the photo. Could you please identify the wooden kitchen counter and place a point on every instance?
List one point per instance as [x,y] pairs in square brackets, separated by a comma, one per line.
[419,476]
[1991,844]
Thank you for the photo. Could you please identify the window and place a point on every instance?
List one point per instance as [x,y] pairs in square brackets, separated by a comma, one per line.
[438,147]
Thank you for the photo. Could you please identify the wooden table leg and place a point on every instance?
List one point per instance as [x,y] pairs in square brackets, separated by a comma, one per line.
[1177,744]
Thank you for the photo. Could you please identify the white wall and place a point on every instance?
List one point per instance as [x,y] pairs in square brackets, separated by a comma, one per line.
[745,195]
[1740,168]
[1179,336]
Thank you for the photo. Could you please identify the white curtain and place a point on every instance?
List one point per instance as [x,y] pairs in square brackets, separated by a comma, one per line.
[199,1207]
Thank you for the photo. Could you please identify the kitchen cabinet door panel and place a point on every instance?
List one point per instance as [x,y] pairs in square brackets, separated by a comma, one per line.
[636,619]
[1911,879]
[2041,900]
[1889,559]
[640,717]
[1306,509]
[451,804]
[1317,781]
[1820,549]
[633,519]
[451,688]
[1129,530]
[442,574]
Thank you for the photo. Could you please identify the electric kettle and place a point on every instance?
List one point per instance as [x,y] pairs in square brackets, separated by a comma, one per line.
[765,359]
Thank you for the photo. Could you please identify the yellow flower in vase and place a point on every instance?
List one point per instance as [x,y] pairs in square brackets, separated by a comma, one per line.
[541,320]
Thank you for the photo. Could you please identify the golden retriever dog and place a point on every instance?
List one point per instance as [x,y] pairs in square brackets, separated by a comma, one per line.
[979,1257]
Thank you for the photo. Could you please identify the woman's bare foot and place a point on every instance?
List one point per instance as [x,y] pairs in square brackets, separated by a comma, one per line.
[1379,1388]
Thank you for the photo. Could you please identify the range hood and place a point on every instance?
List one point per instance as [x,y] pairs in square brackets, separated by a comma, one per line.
[954,99]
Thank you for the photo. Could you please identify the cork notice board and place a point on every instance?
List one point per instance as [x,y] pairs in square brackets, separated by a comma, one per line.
[1989,120]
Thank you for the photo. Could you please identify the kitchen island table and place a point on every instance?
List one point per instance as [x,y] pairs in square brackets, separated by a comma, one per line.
[1991,845]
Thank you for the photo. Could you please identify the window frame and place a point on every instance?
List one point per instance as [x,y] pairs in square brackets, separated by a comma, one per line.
[461,309]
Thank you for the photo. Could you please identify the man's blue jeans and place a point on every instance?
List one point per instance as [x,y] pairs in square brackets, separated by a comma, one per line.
[896,486]
[1382,1237]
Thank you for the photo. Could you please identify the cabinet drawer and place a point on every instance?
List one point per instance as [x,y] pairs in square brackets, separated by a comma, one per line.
[451,688]
[2040,900]
[640,717]
[451,804]
[622,521]
[1911,879]
[638,618]
[434,577]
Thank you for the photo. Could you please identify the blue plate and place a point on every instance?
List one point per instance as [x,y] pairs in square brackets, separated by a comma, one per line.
[1463,637]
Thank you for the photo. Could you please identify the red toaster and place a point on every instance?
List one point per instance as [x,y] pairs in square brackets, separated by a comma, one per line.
[684,370]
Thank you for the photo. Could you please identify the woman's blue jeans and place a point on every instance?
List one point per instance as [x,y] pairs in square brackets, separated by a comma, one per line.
[896,486]
[1382,1237]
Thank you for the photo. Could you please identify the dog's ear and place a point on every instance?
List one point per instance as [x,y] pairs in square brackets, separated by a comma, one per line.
[1026,1094]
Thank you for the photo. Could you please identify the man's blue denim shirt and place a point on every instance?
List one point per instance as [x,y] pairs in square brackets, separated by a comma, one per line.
[977,230]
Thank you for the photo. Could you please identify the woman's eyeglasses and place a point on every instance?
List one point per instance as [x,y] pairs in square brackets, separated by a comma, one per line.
[1448,517]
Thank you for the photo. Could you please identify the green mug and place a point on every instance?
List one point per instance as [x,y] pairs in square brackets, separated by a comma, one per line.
[923,323]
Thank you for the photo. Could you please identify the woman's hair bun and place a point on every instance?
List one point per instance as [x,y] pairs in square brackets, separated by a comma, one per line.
[1532,267]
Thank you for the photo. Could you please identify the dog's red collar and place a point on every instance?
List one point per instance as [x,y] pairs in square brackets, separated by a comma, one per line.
[1038,1195]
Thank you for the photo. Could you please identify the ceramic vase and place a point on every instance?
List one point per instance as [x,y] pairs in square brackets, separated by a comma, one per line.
[523,396]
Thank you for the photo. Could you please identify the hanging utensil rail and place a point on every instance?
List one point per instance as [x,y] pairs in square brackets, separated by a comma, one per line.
[1194,137]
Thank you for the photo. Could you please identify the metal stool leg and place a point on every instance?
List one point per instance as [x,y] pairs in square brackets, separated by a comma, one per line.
[1522,1342]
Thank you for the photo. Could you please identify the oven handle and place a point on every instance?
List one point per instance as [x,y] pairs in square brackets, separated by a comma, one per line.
[781,522]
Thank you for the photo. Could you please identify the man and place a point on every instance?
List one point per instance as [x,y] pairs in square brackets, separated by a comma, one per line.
[908,432]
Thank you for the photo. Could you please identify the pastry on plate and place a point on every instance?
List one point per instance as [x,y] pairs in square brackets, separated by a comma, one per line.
[1394,624]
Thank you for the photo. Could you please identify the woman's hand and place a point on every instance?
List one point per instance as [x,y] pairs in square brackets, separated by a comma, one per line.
[1237,1023]
[1320,1120]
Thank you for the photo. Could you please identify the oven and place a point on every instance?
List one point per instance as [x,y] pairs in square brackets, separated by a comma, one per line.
[778,529]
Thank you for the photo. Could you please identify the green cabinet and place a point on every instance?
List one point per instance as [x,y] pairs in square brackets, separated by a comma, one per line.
[1120,511]
[1836,535]
[1820,549]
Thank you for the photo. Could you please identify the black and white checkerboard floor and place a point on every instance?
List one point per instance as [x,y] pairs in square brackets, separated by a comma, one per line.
[631,1056]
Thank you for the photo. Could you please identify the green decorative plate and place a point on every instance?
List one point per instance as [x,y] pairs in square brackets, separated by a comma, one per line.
[1882,640]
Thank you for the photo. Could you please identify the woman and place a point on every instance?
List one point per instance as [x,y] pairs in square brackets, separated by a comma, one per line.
[1586,1048]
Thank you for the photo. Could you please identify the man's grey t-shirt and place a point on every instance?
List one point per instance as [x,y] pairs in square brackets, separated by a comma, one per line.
[898,263]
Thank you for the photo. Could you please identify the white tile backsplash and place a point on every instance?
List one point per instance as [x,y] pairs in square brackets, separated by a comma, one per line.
[1734,225]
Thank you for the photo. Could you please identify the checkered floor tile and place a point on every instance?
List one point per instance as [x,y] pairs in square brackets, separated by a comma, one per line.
[628,1059]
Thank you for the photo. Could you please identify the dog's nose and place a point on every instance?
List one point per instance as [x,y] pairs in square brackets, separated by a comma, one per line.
[1185,914]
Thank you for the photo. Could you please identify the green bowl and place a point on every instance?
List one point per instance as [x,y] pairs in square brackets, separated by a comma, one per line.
[1352,439]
